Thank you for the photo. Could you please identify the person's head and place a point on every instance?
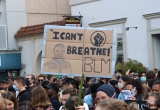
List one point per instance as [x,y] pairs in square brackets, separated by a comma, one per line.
[93,89]
[52,90]
[11,101]
[30,79]
[113,82]
[136,76]
[51,78]
[64,84]
[2,104]
[40,97]
[71,103]
[105,80]
[41,78]
[11,89]
[156,87]
[122,81]
[105,91]
[134,83]
[150,74]
[44,83]
[67,93]
[142,76]
[153,101]
[119,72]
[25,105]
[89,80]
[4,84]
[71,83]
[129,86]
[114,104]
[19,83]
[131,72]
[59,50]
[9,78]
[156,70]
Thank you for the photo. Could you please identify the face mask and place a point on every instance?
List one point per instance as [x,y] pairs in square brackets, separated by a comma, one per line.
[15,88]
[27,82]
[117,74]
[120,85]
[143,78]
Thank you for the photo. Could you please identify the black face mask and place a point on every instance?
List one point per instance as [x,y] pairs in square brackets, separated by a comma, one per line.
[27,82]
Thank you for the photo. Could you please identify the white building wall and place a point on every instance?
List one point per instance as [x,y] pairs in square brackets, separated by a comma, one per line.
[154,23]
[2,12]
[16,18]
[26,57]
[104,10]
[31,47]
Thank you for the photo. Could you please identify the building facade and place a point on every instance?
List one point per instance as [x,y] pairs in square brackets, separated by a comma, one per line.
[24,13]
[136,22]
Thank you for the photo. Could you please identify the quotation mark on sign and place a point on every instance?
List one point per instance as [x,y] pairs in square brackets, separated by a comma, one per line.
[98,38]
[51,30]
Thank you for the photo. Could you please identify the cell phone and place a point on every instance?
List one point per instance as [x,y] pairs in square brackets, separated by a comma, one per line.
[133,92]
[126,94]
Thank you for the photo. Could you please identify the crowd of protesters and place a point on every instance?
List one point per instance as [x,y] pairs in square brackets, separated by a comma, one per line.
[49,92]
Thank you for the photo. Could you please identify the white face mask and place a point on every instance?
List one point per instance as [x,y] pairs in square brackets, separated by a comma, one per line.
[120,85]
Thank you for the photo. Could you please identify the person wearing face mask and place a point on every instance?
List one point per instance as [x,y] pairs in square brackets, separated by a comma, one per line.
[30,80]
[136,89]
[19,85]
[143,80]
[122,81]
[153,102]
[142,77]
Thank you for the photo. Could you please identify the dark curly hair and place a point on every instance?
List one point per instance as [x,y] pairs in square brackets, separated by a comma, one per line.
[151,74]
[136,83]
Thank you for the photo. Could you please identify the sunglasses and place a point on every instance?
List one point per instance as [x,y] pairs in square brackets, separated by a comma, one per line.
[40,80]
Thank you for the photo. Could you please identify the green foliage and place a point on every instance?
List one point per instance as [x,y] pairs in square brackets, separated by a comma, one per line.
[131,64]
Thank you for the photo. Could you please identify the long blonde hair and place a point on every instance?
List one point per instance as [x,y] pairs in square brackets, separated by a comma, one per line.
[2,103]
[40,97]
[115,104]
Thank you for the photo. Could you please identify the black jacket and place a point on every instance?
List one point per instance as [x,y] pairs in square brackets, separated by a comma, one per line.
[55,103]
[23,96]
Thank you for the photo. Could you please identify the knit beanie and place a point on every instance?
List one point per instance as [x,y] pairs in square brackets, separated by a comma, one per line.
[108,89]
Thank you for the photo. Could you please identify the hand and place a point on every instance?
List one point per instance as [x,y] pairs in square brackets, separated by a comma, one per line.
[133,98]
[127,72]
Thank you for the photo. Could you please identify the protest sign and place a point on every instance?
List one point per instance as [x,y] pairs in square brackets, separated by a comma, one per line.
[71,51]
[140,104]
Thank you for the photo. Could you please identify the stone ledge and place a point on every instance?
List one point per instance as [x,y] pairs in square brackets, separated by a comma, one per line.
[110,22]
[152,15]
[79,2]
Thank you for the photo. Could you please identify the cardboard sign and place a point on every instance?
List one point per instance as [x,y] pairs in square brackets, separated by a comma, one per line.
[140,104]
[71,51]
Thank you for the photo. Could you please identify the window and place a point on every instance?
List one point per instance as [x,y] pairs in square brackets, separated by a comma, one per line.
[0,60]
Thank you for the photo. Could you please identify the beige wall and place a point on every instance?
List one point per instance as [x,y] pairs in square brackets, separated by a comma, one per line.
[40,11]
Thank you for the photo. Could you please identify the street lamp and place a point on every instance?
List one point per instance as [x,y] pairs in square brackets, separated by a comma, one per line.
[127,28]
